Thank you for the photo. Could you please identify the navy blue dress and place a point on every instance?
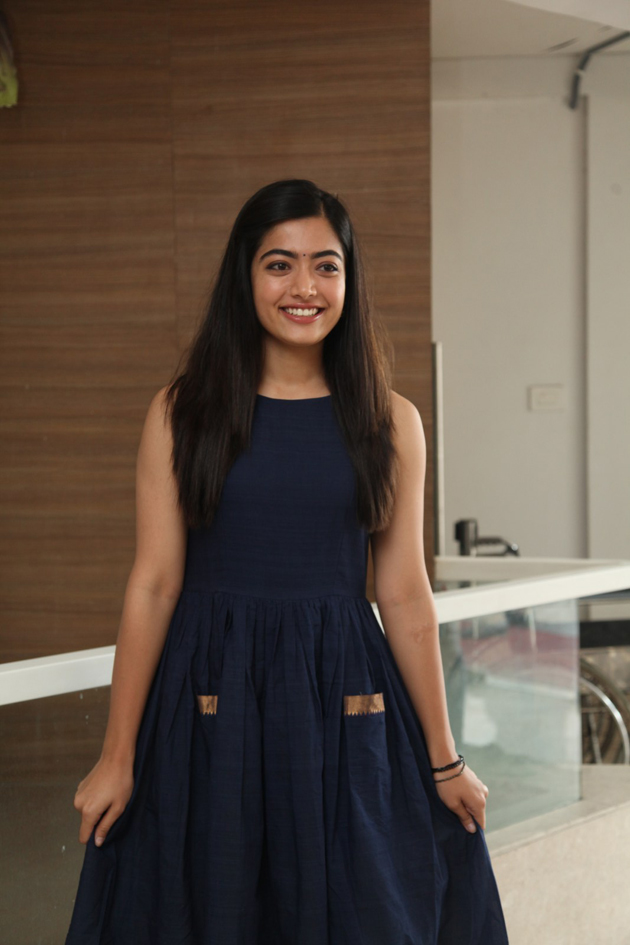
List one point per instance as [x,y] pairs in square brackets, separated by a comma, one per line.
[282,787]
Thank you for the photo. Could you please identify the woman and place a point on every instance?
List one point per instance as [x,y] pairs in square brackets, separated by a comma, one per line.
[275,769]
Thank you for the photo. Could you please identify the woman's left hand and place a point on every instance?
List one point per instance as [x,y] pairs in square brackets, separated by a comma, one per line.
[466,796]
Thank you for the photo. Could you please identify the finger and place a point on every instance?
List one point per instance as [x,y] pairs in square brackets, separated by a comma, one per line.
[103,827]
[479,813]
[466,818]
[88,819]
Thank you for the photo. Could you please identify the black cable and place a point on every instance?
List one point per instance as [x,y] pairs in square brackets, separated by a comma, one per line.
[581,66]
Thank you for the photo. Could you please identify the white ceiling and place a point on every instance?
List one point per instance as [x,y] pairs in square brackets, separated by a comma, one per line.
[463,29]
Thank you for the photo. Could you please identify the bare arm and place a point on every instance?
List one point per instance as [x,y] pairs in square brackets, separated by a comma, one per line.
[153,587]
[407,609]
[151,595]
[403,592]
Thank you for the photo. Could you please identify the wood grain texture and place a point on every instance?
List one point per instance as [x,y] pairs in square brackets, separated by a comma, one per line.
[140,131]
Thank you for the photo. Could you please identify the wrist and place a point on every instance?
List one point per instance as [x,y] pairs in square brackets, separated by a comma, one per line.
[118,754]
[443,755]
[449,767]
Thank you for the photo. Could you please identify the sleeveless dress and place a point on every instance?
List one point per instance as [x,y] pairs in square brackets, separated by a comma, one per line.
[282,787]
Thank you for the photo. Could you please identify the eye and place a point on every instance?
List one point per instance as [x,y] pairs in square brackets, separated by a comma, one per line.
[333,267]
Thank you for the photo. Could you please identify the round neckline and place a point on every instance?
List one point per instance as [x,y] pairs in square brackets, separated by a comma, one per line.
[293,400]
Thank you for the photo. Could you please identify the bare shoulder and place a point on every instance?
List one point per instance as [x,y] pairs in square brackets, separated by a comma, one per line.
[155,452]
[398,550]
[403,409]
[158,407]
[160,524]
[408,428]
[157,438]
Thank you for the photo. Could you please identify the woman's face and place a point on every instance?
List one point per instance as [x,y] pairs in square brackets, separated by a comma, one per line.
[299,267]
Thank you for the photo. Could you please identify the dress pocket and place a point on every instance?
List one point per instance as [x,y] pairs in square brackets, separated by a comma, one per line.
[366,737]
[364,704]
[368,769]
[207,705]
[204,736]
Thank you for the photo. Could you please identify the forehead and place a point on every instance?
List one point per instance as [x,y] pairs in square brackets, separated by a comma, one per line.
[304,234]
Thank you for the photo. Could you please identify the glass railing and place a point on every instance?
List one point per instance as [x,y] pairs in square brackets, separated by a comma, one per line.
[512,692]
[514,676]
[512,688]
[46,747]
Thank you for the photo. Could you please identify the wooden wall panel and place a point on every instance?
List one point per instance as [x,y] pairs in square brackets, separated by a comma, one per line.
[87,306]
[140,131]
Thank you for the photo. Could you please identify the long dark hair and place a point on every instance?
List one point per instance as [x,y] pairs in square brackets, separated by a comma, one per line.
[212,401]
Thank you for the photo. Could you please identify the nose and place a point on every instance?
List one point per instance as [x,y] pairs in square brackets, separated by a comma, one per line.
[303,285]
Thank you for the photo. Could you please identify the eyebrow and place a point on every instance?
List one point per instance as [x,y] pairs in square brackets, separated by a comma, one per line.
[285,252]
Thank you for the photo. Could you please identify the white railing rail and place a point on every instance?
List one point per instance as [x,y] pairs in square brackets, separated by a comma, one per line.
[517,583]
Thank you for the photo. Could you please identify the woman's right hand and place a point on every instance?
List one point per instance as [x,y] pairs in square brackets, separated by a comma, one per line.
[104,792]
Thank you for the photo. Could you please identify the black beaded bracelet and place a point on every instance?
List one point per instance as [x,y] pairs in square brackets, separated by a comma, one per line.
[453,764]
[451,776]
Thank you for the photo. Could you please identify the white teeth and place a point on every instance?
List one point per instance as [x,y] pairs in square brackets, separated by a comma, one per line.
[302,311]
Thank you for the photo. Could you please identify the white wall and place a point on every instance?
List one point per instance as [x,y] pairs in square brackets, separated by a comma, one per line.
[509,298]
[608,338]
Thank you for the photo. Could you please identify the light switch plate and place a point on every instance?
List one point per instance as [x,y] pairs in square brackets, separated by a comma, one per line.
[546,397]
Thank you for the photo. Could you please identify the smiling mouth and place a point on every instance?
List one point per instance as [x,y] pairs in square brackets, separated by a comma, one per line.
[301,311]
